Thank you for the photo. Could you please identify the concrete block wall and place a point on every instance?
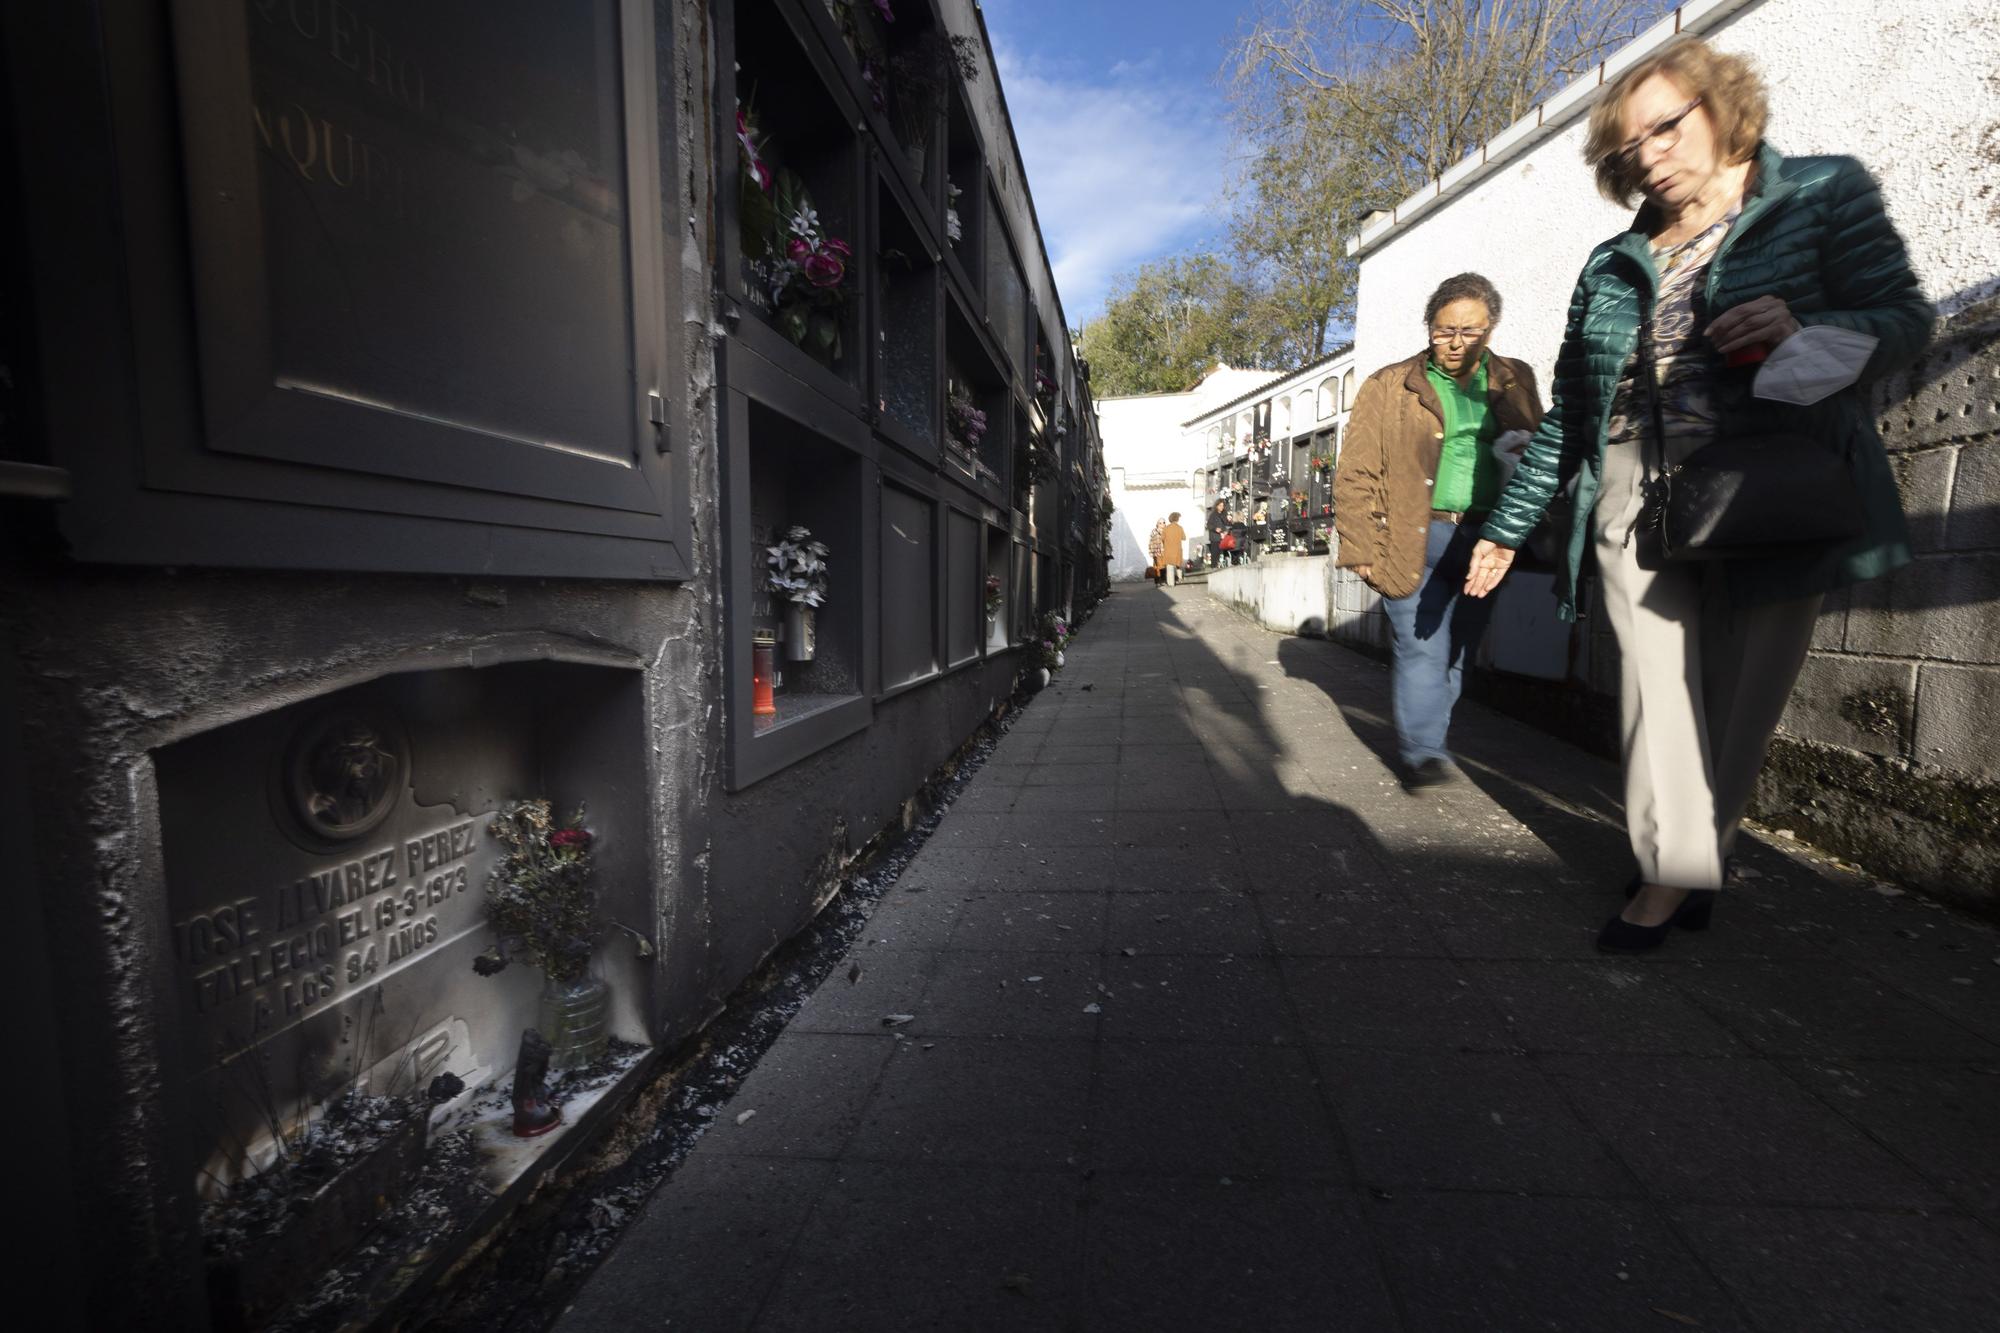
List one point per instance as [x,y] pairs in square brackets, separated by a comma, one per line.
[1889,751]
[1908,667]
[1354,610]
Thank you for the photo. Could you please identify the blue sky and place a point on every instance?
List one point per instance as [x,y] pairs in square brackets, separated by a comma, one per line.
[1122,128]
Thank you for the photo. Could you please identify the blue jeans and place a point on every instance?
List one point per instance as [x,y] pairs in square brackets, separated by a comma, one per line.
[1434,632]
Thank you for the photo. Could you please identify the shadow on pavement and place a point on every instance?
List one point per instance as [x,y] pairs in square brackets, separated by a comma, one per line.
[1189,1017]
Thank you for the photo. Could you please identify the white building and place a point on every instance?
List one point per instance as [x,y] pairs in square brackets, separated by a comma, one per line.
[1153,461]
[1277,440]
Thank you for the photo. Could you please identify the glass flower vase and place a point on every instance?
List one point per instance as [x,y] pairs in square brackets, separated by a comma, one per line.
[576,1020]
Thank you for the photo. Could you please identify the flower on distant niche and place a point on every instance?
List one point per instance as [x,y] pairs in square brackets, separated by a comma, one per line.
[753,161]
[798,567]
[570,837]
[825,269]
[788,254]
[871,75]
[965,421]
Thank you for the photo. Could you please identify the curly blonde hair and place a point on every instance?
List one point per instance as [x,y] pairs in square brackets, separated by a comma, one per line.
[1730,89]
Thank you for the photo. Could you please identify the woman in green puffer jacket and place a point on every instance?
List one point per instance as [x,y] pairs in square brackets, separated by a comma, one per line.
[1734,250]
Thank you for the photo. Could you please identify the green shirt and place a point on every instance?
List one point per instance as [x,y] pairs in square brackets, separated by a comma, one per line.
[1468,478]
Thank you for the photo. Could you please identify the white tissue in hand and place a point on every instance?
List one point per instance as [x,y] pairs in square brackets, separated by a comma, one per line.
[1507,448]
[1813,364]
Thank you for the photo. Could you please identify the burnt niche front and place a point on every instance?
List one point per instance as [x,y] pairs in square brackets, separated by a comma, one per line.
[327,866]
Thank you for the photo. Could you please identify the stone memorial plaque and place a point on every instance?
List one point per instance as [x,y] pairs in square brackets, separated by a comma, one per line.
[324,910]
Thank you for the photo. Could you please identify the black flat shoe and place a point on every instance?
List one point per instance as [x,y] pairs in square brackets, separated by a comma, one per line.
[1621,936]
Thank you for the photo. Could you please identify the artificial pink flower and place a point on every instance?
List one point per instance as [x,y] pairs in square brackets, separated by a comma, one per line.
[825,270]
[569,837]
[882,8]
[758,171]
[798,249]
[837,246]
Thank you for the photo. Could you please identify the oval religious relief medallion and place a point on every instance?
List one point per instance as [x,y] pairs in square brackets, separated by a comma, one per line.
[343,772]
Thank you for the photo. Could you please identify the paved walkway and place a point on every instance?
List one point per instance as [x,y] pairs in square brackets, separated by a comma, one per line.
[1211,1026]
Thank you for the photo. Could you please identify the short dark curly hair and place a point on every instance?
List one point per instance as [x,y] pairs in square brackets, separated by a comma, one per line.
[1463,287]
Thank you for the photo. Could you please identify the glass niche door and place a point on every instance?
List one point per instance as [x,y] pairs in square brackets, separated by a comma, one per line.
[427,241]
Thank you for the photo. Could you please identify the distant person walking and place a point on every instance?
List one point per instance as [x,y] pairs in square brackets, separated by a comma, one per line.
[1154,543]
[1173,550]
[1737,252]
[1217,522]
[1417,474]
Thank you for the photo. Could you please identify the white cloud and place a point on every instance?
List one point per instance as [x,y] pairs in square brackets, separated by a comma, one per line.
[1126,168]
[1147,64]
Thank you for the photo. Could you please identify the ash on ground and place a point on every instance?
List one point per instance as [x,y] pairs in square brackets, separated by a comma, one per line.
[444,1197]
[350,1128]
[617,1060]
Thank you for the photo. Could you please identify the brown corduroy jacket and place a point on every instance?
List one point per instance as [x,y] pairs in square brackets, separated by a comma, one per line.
[1389,460]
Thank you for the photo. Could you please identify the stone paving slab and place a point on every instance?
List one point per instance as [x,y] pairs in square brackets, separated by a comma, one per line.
[1189,1017]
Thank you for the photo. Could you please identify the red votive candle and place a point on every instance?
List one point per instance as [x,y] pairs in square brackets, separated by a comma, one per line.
[763,666]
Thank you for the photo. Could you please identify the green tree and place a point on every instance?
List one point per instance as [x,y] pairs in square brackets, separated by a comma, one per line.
[1293,217]
[1343,107]
[1169,322]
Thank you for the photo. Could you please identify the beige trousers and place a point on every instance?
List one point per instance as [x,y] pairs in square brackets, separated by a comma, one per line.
[1701,688]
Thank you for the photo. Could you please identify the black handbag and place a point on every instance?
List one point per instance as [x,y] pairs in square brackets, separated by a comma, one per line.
[1747,495]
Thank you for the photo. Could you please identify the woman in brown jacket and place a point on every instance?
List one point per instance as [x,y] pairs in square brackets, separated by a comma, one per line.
[1417,473]
[1173,548]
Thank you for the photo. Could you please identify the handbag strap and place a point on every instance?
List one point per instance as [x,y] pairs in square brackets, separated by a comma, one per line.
[1652,479]
[1655,468]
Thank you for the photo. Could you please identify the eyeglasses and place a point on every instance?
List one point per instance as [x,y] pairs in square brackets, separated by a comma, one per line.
[1663,136]
[1442,336]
